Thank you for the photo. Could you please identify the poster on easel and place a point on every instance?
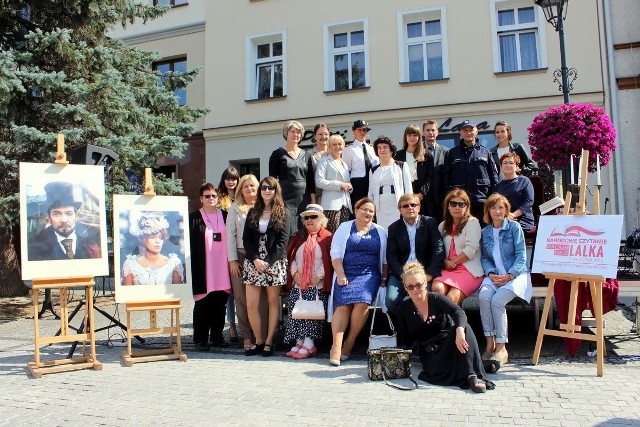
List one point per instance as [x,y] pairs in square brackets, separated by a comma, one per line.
[151,248]
[578,244]
[63,227]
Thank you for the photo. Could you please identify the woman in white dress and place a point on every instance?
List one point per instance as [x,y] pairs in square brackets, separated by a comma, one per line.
[152,267]
[387,182]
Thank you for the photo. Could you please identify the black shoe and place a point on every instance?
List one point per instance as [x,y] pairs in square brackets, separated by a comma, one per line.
[257,348]
[221,343]
[477,385]
[234,339]
[202,346]
[265,352]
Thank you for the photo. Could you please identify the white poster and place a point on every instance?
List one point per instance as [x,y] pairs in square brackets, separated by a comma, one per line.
[151,248]
[578,244]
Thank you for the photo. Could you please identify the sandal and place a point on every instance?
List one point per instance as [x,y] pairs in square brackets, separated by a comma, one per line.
[476,385]
[491,365]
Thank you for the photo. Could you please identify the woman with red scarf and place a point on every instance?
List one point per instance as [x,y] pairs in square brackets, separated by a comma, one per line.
[310,274]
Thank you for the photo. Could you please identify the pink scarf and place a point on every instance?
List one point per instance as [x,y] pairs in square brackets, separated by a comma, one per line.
[308,261]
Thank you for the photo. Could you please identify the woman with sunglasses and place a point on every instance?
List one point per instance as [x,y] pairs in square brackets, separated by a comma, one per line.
[245,198]
[310,273]
[358,255]
[209,270]
[518,189]
[447,347]
[504,259]
[266,234]
[462,273]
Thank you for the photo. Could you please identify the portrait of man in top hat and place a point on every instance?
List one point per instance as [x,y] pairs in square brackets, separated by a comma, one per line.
[64,237]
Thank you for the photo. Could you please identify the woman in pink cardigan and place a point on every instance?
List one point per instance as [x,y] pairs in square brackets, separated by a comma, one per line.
[462,273]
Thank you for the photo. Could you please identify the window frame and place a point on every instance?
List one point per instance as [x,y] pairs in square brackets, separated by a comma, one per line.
[405,17]
[253,63]
[172,3]
[329,30]
[539,27]
[171,62]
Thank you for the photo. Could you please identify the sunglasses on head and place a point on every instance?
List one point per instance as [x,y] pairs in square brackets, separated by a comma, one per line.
[453,204]
[414,287]
[409,205]
[210,196]
[308,217]
[267,187]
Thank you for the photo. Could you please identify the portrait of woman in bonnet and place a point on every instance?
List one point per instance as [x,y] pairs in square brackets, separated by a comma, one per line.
[150,266]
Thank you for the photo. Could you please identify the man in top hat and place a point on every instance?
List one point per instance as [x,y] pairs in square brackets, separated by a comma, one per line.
[360,158]
[64,237]
[470,166]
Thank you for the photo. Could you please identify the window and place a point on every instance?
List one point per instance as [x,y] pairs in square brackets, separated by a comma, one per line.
[165,69]
[347,57]
[422,45]
[519,33]
[170,2]
[266,69]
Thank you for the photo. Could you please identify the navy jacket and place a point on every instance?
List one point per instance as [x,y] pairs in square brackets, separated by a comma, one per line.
[471,169]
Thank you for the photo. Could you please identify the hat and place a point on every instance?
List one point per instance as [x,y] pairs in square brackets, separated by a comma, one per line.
[468,123]
[61,193]
[358,124]
[312,208]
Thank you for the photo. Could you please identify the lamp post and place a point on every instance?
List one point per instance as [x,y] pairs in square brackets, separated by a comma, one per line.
[555,12]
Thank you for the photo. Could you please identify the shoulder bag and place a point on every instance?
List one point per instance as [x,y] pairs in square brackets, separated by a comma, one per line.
[390,363]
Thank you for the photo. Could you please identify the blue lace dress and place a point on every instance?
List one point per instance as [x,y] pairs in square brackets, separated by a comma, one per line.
[361,263]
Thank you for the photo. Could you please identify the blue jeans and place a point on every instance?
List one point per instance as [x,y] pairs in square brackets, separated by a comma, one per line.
[395,294]
[493,312]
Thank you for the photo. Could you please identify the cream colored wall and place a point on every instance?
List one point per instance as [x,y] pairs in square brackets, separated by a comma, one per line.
[177,17]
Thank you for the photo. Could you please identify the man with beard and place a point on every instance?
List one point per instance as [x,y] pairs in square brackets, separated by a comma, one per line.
[64,237]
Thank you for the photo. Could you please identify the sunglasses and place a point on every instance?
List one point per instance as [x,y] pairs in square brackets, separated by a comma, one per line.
[308,217]
[453,204]
[414,287]
[267,187]
[210,196]
[409,205]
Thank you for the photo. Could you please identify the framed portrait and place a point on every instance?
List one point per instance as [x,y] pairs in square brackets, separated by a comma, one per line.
[63,227]
[151,248]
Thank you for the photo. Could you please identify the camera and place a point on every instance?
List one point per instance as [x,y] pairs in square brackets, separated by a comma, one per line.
[217,237]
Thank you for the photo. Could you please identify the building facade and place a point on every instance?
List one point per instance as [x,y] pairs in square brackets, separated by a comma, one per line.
[390,63]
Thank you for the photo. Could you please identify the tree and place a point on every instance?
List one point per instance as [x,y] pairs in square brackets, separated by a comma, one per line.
[60,72]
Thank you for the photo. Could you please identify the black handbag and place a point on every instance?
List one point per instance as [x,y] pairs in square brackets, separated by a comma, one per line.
[390,363]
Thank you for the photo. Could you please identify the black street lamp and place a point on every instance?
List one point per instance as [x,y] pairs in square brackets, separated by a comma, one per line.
[555,11]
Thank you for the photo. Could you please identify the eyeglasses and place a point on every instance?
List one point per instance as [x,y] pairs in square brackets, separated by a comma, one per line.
[210,196]
[308,217]
[409,205]
[453,204]
[509,163]
[267,188]
[414,287]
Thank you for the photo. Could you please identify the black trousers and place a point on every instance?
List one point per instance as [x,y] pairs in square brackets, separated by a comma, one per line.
[209,316]
[360,190]
[477,210]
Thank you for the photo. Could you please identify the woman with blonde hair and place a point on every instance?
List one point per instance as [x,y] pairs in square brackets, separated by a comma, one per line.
[333,178]
[462,272]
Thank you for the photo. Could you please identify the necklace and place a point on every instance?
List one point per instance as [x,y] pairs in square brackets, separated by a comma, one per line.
[208,220]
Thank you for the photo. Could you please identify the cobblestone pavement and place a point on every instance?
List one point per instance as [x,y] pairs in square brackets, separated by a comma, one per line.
[226,388]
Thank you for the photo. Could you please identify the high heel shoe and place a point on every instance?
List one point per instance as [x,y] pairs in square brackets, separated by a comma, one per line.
[257,348]
[334,356]
[501,356]
[475,384]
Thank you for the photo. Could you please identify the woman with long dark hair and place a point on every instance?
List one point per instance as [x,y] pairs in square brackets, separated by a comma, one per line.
[414,155]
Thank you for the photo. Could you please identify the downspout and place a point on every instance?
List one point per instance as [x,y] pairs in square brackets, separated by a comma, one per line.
[613,104]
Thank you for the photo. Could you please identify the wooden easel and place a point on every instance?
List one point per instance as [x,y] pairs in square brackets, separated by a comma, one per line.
[570,329]
[174,350]
[37,367]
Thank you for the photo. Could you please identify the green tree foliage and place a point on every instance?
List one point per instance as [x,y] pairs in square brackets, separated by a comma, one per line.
[60,72]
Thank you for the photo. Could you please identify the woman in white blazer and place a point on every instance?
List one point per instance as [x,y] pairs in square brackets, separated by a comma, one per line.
[462,274]
[332,177]
[387,182]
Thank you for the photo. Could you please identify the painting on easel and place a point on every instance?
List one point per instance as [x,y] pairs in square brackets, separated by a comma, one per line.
[151,248]
[62,221]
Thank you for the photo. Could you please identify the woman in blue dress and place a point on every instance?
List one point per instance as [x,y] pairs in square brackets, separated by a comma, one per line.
[358,257]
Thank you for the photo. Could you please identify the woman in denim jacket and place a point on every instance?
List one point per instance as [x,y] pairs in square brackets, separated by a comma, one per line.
[505,267]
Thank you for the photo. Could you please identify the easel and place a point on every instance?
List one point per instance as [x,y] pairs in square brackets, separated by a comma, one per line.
[37,367]
[174,351]
[570,329]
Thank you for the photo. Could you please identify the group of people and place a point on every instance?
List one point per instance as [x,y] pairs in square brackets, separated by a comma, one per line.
[338,224]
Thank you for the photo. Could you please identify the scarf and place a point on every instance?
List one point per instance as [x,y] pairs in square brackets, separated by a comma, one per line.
[308,260]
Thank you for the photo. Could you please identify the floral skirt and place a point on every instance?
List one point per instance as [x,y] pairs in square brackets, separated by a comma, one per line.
[276,274]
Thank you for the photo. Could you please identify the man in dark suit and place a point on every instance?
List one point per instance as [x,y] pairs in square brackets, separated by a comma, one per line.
[436,154]
[64,237]
[414,237]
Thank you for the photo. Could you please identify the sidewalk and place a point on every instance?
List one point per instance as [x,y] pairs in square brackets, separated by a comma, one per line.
[227,388]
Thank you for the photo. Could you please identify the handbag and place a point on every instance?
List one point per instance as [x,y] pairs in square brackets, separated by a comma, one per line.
[390,363]
[380,341]
[308,310]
